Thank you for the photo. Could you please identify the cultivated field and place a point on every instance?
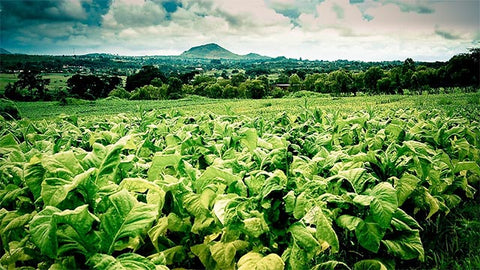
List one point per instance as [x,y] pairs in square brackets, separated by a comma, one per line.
[382,182]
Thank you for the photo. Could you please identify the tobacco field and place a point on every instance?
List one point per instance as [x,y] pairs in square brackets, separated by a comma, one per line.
[317,189]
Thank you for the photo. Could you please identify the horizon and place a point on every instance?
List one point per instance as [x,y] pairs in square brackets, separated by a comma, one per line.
[178,55]
[354,30]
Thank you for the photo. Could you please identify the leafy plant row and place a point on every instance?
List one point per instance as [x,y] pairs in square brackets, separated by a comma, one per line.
[317,190]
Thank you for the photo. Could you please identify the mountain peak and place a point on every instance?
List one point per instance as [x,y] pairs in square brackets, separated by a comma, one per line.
[211,51]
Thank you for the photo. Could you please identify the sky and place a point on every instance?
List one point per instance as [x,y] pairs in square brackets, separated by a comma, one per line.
[366,30]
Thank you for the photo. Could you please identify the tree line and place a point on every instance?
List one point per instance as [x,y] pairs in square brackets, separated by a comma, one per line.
[151,83]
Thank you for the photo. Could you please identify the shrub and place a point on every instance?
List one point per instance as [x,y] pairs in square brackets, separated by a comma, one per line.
[9,110]
[120,92]
[278,92]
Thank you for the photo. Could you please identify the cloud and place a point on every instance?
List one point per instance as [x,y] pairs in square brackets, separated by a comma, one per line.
[416,6]
[315,29]
[447,35]
[135,13]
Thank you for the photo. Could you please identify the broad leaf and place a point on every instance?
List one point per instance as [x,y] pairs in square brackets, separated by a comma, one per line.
[325,231]
[55,190]
[384,204]
[369,265]
[43,229]
[406,245]
[160,162]
[127,261]
[125,218]
[303,236]
[369,235]
[255,261]
[348,222]
[405,186]
[249,138]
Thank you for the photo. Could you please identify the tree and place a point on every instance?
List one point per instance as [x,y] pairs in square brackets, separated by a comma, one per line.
[253,89]
[86,86]
[295,82]
[32,80]
[408,64]
[309,82]
[372,75]
[230,91]
[92,87]
[174,88]
[238,78]
[143,77]
[214,91]
[384,85]
[339,82]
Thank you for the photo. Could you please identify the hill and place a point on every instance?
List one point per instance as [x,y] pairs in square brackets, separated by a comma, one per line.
[214,51]
[211,50]
[3,51]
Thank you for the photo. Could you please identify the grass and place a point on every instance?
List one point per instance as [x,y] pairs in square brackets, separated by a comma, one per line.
[6,79]
[58,81]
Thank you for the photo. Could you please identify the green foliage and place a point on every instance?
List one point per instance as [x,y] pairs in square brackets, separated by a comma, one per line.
[120,93]
[8,110]
[311,190]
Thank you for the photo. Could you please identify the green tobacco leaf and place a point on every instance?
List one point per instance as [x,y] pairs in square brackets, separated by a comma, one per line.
[300,206]
[202,251]
[8,144]
[105,159]
[364,200]
[201,223]
[213,174]
[159,163]
[43,230]
[199,204]
[155,195]
[276,181]
[355,177]
[253,260]
[369,265]
[49,227]
[369,235]
[224,253]
[255,226]
[430,201]
[249,138]
[34,175]
[303,237]
[80,219]
[55,190]
[419,148]
[127,261]
[467,166]
[384,204]
[289,201]
[326,232]
[297,257]
[348,222]
[406,245]
[160,229]
[62,165]
[13,220]
[402,221]
[330,265]
[125,218]
[405,186]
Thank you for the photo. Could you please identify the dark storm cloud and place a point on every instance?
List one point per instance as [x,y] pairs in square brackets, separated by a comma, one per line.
[17,14]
